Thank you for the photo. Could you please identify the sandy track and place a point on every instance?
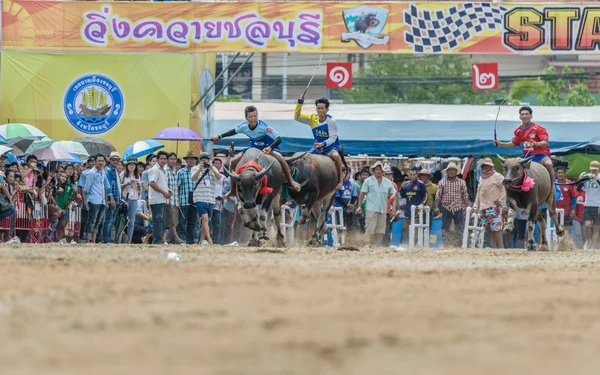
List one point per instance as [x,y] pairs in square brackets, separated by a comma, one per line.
[107,310]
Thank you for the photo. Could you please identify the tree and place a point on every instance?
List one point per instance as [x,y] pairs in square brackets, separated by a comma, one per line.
[578,94]
[525,87]
[442,79]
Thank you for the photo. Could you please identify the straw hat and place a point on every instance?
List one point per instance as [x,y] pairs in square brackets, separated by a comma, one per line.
[378,164]
[114,155]
[425,172]
[594,164]
[452,165]
[190,155]
[487,161]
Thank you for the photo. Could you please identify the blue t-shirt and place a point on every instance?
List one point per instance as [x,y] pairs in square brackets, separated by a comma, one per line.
[261,136]
[346,193]
[415,194]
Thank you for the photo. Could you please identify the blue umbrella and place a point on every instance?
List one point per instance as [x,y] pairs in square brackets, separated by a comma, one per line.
[142,148]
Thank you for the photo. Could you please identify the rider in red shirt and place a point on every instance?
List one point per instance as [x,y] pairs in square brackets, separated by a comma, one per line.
[534,139]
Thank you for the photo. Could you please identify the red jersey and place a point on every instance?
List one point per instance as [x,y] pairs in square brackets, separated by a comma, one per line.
[566,198]
[579,205]
[534,133]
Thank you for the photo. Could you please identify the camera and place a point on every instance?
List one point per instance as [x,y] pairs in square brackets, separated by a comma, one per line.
[206,164]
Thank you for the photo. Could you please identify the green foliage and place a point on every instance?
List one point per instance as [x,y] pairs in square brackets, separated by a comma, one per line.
[522,88]
[578,94]
[440,79]
[229,98]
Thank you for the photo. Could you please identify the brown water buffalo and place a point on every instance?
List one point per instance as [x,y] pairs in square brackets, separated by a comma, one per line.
[319,178]
[528,186]
[251,193]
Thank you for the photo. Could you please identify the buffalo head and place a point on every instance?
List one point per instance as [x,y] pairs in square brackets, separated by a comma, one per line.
[248,184]
[514,169]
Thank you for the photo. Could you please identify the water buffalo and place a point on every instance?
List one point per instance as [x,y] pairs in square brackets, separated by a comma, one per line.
[528,186]
[319,178]
[251,192]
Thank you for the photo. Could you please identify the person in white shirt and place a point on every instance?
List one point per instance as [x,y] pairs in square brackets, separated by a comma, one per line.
[158,194]
[204,194]
[217,220]
[591,210]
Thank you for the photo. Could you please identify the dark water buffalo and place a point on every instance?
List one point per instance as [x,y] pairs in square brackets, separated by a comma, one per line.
[249,183]
[319,178]
[528,186]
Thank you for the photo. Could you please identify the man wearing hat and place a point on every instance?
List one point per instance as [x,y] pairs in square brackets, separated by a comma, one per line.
[491,198]
[187,212]
[115,193]
[451,200]
[591,213]
[376,190]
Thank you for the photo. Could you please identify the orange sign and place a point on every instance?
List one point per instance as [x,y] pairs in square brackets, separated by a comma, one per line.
[394,27]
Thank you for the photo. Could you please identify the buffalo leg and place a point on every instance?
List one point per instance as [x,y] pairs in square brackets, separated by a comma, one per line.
[320,230]
[280,241]
[542,231]
[307,208]
[233,188]
[531,245]
[551,206]
[512,209]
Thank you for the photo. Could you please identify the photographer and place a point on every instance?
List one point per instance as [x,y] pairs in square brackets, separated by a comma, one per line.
[205,177]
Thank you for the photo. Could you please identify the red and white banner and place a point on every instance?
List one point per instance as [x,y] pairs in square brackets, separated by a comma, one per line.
[485,76]
[339,75]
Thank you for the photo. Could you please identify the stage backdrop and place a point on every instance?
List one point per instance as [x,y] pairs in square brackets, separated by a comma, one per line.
[317,26]
[118,97]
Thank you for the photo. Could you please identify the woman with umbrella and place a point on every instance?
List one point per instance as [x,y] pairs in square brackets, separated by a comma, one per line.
[130,192]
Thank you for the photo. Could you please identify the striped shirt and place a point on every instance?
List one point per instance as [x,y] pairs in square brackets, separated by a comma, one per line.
[185,185]
[205,192]
[172,183]
[452,194]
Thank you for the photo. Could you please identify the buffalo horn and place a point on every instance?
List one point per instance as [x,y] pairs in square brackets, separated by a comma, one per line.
[231,174]
[502,160]
[526,160]
[260,174]
[294,158]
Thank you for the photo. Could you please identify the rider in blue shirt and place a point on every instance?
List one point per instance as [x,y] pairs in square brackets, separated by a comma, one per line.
[262,137]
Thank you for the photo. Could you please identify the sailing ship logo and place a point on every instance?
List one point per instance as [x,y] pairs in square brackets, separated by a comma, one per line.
[93,104]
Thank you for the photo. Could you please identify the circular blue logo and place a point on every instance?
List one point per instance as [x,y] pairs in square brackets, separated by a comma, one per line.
[93,104]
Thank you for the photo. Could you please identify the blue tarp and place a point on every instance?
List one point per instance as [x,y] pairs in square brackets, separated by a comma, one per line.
[419,137]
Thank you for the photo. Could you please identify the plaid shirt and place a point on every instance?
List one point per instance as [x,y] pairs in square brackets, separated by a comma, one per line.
[172,183]
[185,185]
[452,194]
[114,189]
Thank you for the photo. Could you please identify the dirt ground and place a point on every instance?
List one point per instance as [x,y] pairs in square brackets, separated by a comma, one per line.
[233,310]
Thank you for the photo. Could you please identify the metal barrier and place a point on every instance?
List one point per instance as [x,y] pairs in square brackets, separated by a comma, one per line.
[338,238]
[288,229]
[73,227]
[475,232]
[551,236]
[422,227]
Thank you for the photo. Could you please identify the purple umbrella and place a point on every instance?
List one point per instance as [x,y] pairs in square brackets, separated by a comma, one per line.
[177,134]
[51,154]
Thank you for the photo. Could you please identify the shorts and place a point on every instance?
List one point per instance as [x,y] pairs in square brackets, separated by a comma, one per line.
[65,216]
[326,150]
[536,158]
[376,222]
[520,228]
[568,221]
[491,218]
[258,147]
[591,214]
[171,217]
[204,208]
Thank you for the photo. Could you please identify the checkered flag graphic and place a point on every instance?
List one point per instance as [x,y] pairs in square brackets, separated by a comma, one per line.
[435,30]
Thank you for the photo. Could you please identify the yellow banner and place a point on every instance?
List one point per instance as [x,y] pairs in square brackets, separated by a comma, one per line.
[393,27]
[120,98]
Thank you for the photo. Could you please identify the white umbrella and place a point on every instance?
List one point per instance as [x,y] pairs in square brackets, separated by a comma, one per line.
[10,131]
[72,147]
[5,149]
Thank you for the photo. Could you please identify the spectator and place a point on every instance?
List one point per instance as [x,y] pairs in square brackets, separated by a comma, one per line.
[171,211]
[415,193]
[346,198]
[84,201]
[150,162]
[362,176]
[115,194]
[567,197]
[141,233]
[216,219]
[431,188]
[97,191]
[376,189]
[187,209]
[205,177]
[451,200]
[158,195]
[578,220]
[130,187]
[392,206]
[228,213]
[491,198]
[591,212]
